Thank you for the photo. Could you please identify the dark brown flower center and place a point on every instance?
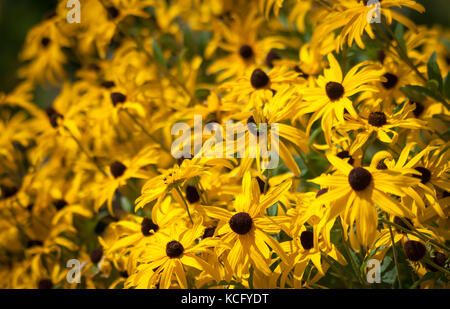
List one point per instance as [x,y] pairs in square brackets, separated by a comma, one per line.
[345,154]
[96,255]
[439,259]
[334,90]
[147,226]
[30,207]
[246,52]
[174,249]
[377,119]
[117,97]
[391,81]
[241,223]
[307,239]
[192,194]
[259,79]
[271,56]
[45,284]
[117,169]
[60,204]
[359,178]
[414,250]
[34,243]
[9,191]
[45,42]
[108,84]
[425,174]
[113,12]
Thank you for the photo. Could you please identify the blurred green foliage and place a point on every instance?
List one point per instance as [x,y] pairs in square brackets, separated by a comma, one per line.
[18,16]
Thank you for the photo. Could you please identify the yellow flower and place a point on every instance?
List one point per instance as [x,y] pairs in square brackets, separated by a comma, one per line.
[169,180]
[385,126]
[330,98]
[354,192]
[245,228]
[120,172]
[165,259]
[44,53]
[352,16]
[245,50]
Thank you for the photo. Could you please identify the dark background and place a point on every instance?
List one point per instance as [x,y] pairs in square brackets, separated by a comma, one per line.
[18,16]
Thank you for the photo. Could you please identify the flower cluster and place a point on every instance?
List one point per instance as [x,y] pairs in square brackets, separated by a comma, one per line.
[362,110]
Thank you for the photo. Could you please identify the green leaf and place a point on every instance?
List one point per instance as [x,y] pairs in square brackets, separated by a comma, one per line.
[421,90]
[202,94]
[413,95]
[399,31]
[158,54]
[388,271]
[179,61]
[434,73]
[273,210]
[446,89]
[126,205]
[433,85]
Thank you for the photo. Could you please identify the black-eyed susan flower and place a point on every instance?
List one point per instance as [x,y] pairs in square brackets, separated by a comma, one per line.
[384,125]
[246,50]
[267,133]
[244,229]
[120,172]
[356,190]
[354,17]
[168,256]
[330,98]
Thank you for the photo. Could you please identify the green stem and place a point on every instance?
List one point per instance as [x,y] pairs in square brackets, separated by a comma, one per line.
[85,152]
[394,251]
[404,56]
[150,57]
[306,162]
[431,263]
[368,143]
[347,250]
[204,192]
[197,187]
[419,235]
[185,203]
[145,131]
[340,274]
